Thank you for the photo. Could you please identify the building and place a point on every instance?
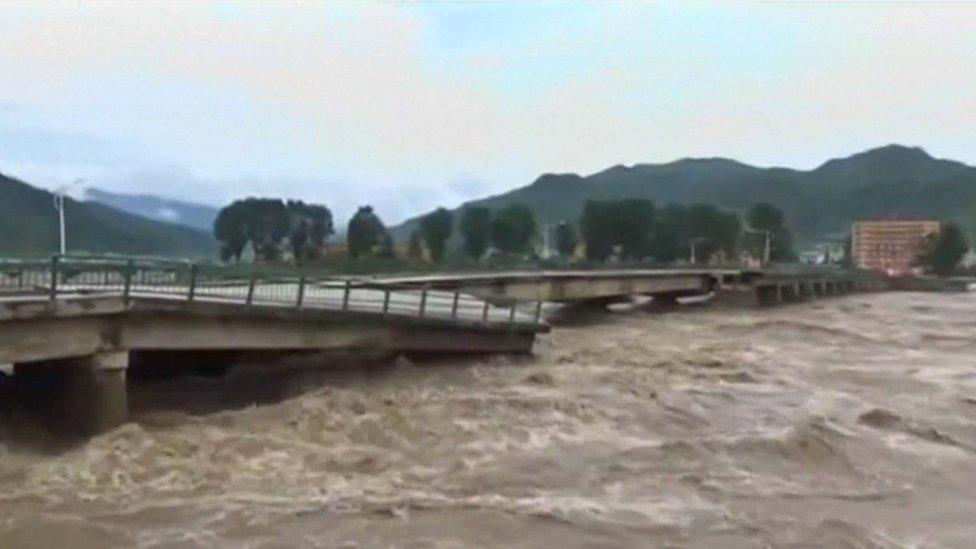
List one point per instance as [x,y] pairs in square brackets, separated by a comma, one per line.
[891,246]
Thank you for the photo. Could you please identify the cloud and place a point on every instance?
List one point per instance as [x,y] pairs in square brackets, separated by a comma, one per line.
[408,106]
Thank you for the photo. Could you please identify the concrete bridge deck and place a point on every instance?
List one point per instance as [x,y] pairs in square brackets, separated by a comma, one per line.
[570,286]
[83,322]
[753,287]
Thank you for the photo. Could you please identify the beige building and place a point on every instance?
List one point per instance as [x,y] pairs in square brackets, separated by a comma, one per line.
[890,245]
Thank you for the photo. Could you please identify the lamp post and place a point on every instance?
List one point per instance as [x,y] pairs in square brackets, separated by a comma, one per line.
[59,206]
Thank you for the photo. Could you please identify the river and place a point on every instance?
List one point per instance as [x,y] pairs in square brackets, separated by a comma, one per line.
[841,423]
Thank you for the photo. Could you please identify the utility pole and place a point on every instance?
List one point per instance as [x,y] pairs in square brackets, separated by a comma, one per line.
[766,248]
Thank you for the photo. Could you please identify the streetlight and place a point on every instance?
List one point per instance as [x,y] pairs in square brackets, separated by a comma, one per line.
[694,258]
[59,206]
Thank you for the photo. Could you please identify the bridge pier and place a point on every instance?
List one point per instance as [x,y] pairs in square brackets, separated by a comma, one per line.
[769,295]
[85,394]
[818,288]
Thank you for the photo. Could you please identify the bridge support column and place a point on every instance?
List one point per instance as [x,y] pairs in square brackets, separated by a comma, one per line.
[84,394]
[768,295]
[96,398]
[805,289]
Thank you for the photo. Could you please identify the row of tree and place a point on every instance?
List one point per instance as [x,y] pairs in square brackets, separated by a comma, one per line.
[622,229]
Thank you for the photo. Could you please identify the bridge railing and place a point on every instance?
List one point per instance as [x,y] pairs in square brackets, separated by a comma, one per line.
[133,278]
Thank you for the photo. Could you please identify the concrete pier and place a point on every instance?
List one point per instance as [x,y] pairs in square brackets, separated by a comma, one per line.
[98,395]
[81,394]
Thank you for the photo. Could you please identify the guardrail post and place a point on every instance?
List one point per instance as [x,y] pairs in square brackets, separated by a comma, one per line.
[423,302]
[345,295]
[250,289]
[454,305]
[538,311]
[127,284]
[193,282]
[511,316]
[386,301]
[301,291]
[484,312]
[54,277]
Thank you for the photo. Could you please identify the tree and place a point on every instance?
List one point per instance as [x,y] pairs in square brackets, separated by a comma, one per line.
[671,234]
[942,252]
[231,230]
[310,225]
[624,224]
[848,259]
[597,231]
[712,230]
[566,240]
[475,228]
[767,218]
[366,234]
[633,223]
[435,229]
[512,229]
[269,224]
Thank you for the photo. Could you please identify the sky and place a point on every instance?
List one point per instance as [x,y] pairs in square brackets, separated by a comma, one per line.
[411,105]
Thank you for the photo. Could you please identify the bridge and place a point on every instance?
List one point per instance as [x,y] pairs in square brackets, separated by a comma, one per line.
[83,320]
[748,287]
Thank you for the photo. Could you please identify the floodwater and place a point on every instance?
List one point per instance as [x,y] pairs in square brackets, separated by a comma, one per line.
[842,423]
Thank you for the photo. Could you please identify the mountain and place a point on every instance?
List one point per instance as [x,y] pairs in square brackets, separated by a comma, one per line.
[819,203]
[198,216]
[28,225]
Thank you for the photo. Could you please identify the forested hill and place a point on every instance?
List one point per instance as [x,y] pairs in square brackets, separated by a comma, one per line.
[28,225]
[818,203]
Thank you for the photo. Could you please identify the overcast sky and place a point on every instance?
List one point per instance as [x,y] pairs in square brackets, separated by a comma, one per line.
[408,106]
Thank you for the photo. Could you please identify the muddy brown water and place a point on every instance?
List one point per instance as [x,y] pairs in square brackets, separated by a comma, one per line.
[843,423]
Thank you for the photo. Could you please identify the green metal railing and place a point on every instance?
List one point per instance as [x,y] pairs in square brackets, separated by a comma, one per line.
[135,277]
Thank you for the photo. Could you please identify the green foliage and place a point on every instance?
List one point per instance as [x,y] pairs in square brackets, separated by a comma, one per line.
[29,225]
[713,230]
[367,235]
[566,239]
[624,224]
[942,253]
[270,225]
[231,230]
[769,219]
[848,259]
[513,228]
[672,234]
[475,228]
[435,229]
[310,226]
